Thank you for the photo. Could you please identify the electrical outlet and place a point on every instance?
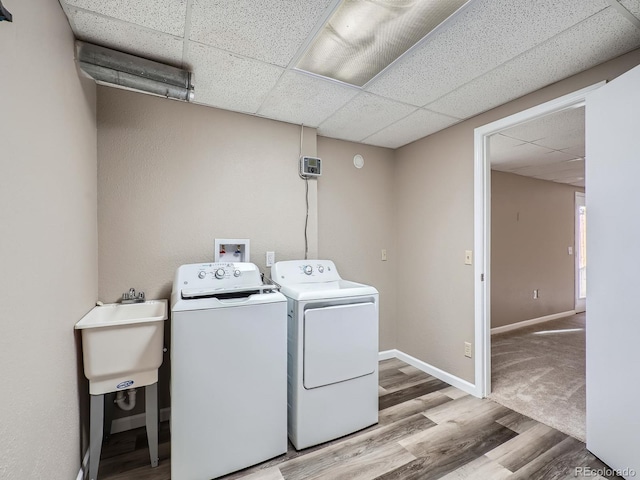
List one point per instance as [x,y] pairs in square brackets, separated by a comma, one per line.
[467,349]
[535,294]
[270,259]
[468,257]
[384,255]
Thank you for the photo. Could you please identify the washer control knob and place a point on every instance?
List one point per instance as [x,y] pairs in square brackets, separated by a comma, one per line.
[220,273]
[236,273]
[320,269]
[202,274]
[308,269]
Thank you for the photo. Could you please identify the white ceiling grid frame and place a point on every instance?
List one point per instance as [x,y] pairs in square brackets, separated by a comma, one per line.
[413,127]
[363,116]
[166,16]
[580,47]
[222,70]
[304,99]
[127,37]
[277,28]
[485,35]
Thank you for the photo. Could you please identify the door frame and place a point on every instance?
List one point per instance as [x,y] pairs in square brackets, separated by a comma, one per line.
[482,223]
[579,308]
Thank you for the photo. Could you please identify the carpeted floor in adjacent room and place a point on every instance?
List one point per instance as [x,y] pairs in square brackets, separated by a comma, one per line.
[539,371]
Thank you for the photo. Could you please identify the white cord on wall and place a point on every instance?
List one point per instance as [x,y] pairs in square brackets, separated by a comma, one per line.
[306,184]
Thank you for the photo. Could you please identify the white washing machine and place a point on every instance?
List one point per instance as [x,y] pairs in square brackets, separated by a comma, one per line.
[333,351]
[228,370]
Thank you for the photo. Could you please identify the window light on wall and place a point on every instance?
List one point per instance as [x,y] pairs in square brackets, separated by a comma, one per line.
[363,37]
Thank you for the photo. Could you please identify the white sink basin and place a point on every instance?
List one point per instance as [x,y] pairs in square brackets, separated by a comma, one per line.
[122,345]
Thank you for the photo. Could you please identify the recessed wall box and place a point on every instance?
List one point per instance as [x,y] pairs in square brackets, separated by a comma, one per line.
[231,250]
[310,167]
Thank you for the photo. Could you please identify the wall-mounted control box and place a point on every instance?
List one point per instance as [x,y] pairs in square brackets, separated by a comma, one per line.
[310,167]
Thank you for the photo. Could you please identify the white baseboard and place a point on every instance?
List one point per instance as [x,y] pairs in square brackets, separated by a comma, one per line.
[83,466]
[136,421]
[387,354]
[431,370]
[533,321]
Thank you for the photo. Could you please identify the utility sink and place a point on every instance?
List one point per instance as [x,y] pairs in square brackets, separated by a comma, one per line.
[122,345]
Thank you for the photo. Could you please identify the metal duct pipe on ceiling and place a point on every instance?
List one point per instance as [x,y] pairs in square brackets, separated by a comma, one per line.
[117,69]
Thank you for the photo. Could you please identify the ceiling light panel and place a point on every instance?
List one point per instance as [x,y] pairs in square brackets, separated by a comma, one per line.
[126,37]
[364,36]
[217,75]
[268,30]
[303,99]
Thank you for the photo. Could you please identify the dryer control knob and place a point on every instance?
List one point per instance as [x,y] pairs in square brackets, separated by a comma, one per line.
[236,273]
[308,269]
[320,269]
[220,273]
[201,275]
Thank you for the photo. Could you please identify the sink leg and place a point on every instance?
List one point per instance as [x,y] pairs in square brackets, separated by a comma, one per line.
[95,434]
[109,406]
[151,411]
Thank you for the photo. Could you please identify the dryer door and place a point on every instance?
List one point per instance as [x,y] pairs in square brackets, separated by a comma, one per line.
[340,343]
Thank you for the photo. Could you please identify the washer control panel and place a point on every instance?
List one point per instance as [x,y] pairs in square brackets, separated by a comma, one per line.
[304,271]
[220,275]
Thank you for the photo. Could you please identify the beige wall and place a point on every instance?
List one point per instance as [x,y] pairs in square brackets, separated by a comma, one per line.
[48,242]
[434,184]
[356,217]
[532,226]
[172,177]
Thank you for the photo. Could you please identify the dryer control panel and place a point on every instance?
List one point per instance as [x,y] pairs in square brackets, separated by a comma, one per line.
[304,271]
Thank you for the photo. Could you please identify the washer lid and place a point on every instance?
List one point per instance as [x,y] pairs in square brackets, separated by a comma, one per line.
[326,290]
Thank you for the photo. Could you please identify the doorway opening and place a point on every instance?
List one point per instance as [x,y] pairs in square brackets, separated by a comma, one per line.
[483,234]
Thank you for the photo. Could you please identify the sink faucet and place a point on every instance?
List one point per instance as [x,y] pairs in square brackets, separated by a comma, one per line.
[132,298]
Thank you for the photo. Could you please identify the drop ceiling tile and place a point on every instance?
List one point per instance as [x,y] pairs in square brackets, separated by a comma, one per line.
[578,151]
[535,169]
[569,120]
[600,38]
[633,6]
[126,37]
[413,127]
[303,99]
[485,35]
[227,81]
[562,140]
[519,156]
[267,30]
[167,16]
[567,179]
[363,116]
[500,145]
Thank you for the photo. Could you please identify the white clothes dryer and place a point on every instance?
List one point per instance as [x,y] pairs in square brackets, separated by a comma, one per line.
[228,370]
[333,351]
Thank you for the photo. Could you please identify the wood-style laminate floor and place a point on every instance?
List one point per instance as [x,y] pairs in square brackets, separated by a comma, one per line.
[427,430]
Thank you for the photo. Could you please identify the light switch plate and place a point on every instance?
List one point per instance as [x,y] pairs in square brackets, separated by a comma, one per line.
[468,257]
[384,255]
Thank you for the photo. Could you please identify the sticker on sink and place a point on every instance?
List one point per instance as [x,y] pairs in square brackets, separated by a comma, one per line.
[124,384]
